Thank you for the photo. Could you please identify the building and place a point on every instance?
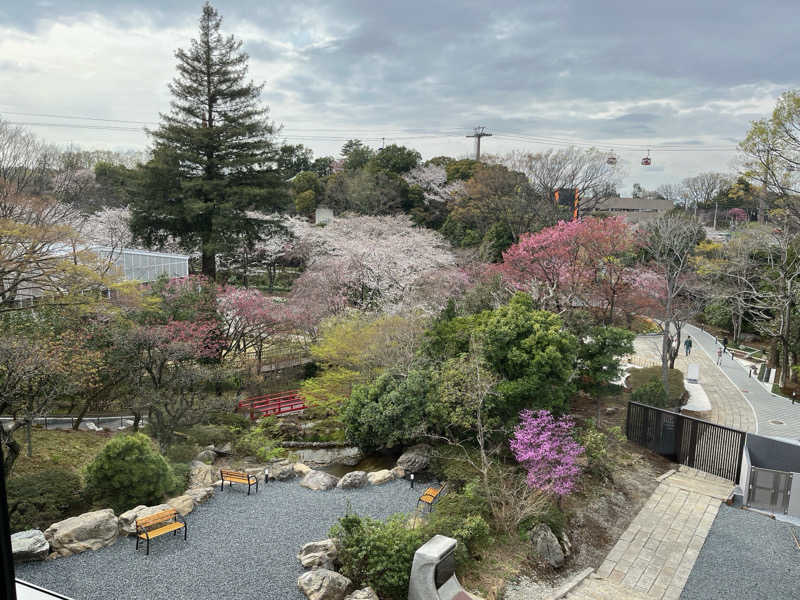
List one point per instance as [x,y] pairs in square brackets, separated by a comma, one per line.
[635,210]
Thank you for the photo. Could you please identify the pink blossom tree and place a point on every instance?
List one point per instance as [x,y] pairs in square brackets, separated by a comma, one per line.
[545,446]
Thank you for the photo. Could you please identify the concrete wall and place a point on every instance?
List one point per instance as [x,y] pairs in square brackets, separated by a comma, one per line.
[770,453]
[744,475]
[794,498]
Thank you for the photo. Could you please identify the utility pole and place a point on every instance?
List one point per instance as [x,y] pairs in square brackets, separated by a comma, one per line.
[478,133]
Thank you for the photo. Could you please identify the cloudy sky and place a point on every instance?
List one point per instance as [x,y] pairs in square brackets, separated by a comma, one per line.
[682,78]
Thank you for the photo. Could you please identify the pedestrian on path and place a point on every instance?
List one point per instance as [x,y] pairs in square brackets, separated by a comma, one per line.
[687,345]
[719,356]
[725,344]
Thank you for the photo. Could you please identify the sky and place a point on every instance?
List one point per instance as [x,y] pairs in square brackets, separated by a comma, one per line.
[682,79]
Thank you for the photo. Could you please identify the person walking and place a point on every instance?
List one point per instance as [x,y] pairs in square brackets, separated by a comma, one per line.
[724,344]
[719,355]
[687,345]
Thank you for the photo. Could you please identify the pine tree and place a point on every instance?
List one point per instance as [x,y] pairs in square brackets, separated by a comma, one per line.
[213,155]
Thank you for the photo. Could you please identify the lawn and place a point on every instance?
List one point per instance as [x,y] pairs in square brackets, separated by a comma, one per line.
[58,448]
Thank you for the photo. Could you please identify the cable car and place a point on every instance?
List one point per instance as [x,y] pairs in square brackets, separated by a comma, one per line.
[646,162]
[611,159]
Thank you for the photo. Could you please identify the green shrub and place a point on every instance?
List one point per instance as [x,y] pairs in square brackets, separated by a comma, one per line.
[640,377]
[36,501]
[268,453]
[228,419]
[264,434]
[651,393]
[325,430]
[595,444]
[127,472]
[182,452]
[378,554]
[182,472]
[461,515]
[204,435]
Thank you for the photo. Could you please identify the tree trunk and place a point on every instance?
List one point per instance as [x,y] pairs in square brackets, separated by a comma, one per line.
[137,418]
[209,262]
[28,436]
[84,409]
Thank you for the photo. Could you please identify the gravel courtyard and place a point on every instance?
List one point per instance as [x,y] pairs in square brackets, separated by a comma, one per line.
[746,555]
[238,547]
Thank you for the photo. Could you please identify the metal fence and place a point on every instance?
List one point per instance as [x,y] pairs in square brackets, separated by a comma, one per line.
[769,490]
[706,446]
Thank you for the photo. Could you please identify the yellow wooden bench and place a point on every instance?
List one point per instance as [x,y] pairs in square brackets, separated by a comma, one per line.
[158,524]
[429,496]
[237,477]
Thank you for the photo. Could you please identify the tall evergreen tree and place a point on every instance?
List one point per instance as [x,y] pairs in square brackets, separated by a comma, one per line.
[213,157]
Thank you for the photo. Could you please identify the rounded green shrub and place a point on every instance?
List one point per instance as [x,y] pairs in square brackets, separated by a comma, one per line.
[37,501]
[127,472]
[651,393]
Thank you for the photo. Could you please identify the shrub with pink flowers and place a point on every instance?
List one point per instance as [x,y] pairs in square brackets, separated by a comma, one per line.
[545,446]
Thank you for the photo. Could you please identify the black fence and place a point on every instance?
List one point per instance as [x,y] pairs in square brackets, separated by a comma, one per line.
[709,447]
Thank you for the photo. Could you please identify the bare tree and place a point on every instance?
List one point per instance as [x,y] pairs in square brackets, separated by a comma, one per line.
[673,192]
[702,188]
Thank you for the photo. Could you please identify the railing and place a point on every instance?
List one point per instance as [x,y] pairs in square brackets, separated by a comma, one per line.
[706,446]
[274,404]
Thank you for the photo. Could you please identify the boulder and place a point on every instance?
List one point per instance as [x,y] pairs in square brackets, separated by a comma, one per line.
[29,545]
[546,547]
[399,472]
[323,584]
[319,555]
[202,475]
[257,471]
[226,450]
[127,520]
[319,480]
[379,477]
[183,504]
[206,456]
[353,479]
[200,495]
[322,457]
[366,594]
[89,531]
[301,469]
[416,458]
[282,471]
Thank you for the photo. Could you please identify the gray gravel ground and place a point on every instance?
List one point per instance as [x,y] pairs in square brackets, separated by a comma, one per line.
[238,547]
[747,556]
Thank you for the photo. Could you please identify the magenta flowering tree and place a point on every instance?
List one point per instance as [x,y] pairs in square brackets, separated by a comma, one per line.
[545,447]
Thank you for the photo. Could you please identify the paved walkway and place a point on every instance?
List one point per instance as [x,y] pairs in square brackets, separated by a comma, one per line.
[728,405]
[654,556]
[777,416]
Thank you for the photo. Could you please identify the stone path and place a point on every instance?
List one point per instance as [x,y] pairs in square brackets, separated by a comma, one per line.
[729,407]
[654,556]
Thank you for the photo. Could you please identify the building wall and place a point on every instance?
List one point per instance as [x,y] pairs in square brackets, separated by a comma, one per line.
[771,453]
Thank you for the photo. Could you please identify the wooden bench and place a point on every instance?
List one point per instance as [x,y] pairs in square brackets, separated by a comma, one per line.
[237,477]
[429,496]
[158,524]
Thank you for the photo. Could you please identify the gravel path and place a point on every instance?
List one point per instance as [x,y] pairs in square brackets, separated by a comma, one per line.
[238,547]
[746,555]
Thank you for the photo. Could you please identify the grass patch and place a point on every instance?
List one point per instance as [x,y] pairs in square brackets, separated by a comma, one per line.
[56,448]
[639,377]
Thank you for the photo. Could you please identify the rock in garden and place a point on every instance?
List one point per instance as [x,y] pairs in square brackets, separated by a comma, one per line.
[379,477]
[282,471]
[322,457]
[415,459]
[127,520]
[322,584]
[89,531]
[301,469]
[183,504]
[226,450]
[206,456]
[202,475]
[319,480]
[546,546]
[319,555]
[353,479]
[399,472]
[366,594]
[29,545]
[200,495]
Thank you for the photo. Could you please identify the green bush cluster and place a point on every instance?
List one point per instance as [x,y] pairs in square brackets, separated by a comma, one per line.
[129,471]
[204,435]
[462,515]
[38,500]
[646,392]
[651,393]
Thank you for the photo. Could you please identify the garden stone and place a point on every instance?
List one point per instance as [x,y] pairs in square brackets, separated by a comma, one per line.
[127,520]
[226,450]
[200,495]
[202,475]
[322,457]
[323,584]
[319,480]
[353,479]
[183,504]
[546,546]
[29,545]
[282,471]
[301,469]
[379,477]
[319,555]
[89,531]
[366,594]
[206,456]
[399,472]
[416,458]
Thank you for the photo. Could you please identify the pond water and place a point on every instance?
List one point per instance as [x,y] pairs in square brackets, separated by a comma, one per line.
[374,462]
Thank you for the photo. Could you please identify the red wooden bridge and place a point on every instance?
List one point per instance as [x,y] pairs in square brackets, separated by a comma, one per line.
[278,403]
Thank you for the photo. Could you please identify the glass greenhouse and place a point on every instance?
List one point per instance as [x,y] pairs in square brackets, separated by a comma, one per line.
[145,265]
